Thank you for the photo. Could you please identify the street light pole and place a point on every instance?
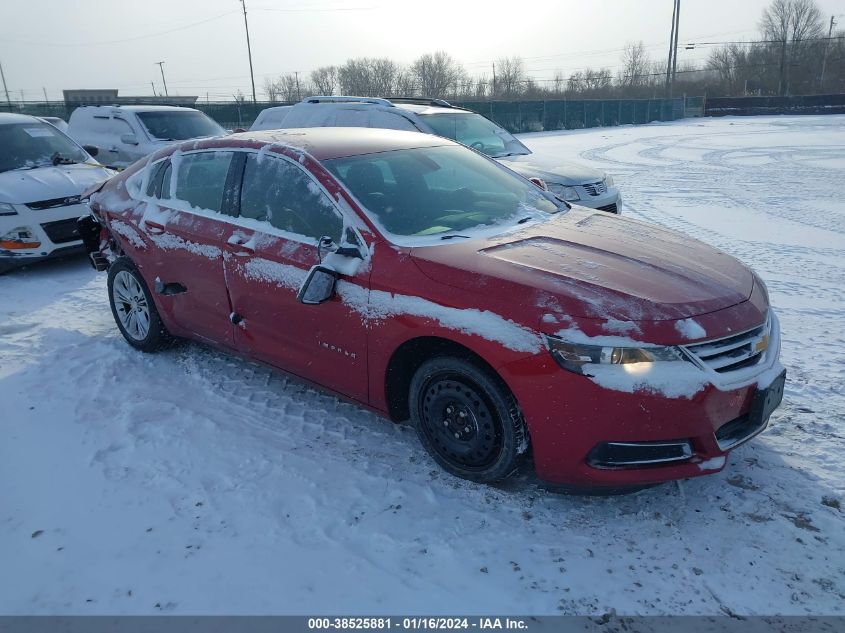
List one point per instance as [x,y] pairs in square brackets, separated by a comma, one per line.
[249,53]
[161,68]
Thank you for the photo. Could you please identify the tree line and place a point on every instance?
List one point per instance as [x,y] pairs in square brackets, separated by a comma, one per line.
[794,54]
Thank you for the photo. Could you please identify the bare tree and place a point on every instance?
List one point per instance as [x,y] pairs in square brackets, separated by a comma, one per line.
[272,89]
[730,62]
[787,23]
[368,77]
[406,84]
[436,74]
[635,65]
[510,76]
[324,80]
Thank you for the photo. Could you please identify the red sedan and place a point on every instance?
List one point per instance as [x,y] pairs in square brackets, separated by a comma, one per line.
[426,281]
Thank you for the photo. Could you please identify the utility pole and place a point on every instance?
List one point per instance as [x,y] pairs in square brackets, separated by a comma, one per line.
[45,94]
[161,68]
[154,88]
[298,96]
[5,89]
[675,44]
[671,48]
[249,52]
[493,91]
[824,59]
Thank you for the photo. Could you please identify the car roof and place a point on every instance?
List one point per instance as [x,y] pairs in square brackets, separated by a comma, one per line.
[326,143]
[11,117]
[142,108]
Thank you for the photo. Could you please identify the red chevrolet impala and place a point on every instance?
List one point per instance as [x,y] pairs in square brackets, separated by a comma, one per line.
[428,282]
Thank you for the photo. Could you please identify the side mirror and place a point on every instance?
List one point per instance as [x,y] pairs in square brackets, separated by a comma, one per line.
[92,150]
[318,287]
[539,182]
[128,139]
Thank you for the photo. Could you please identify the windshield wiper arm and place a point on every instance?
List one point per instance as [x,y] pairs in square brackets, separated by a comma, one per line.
[452,236]
[58,159]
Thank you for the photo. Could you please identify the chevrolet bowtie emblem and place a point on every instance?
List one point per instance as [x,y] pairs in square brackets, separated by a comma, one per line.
[762,345]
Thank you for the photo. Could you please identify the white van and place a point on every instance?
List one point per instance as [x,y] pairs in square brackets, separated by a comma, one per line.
[271,118]
[126,133]
[568,180]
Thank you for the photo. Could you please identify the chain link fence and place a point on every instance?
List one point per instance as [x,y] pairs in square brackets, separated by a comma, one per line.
[514,116]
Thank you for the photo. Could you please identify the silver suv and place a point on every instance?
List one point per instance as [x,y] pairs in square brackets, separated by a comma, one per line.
[573,182]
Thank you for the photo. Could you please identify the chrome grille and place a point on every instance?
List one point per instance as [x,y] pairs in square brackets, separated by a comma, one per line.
[724,355]
[53,203]
[595,188]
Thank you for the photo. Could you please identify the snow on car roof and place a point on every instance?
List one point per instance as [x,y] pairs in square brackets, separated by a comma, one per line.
[335,142]
[144,108]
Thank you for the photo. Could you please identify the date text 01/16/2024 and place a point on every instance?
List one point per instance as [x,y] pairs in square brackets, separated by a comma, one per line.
[415,623]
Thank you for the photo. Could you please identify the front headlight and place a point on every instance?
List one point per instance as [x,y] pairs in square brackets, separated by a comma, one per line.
[608,180]
[7,209]
[575,356]
[561,191]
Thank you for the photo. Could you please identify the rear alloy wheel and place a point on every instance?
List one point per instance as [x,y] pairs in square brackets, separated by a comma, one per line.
[467,420]
[134,310]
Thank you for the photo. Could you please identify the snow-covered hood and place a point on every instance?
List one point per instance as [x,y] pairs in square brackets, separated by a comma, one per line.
[595,265]
[47,183]
[551,170]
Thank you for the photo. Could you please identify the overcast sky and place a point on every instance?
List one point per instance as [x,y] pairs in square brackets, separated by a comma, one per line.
[56,44]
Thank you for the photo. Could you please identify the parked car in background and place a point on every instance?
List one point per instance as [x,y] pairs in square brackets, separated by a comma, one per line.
[42,176]
[270,118]
[428,282]
[570,181]
[126,133]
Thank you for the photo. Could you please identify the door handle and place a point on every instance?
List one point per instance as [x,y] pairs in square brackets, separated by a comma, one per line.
[153,228]
[240,241]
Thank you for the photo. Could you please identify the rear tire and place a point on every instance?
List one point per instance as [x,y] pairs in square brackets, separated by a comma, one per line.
[134,310]
[467,420]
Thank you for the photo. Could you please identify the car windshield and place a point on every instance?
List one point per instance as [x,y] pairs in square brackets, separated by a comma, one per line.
[477,132]
[171,125]
[36,144]
[444,191]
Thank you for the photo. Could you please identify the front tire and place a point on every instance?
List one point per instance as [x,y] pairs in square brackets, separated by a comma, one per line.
[134,310]
[467,420]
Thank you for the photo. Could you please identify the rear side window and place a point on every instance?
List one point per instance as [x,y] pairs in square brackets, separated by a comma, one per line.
[390,121]
[282,194]
[200,179]
[352,118]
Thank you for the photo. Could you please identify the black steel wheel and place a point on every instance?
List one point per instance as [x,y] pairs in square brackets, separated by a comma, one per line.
[467,420]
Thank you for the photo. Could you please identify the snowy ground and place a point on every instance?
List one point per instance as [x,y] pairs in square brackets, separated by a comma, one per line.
[193,482]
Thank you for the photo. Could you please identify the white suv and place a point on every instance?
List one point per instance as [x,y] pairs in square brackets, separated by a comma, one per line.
[124,134]
[43,174]
[571,181]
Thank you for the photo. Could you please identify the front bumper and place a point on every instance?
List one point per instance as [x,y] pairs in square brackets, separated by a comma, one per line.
[54,229]
[585,436]
[9,260]
[610,200]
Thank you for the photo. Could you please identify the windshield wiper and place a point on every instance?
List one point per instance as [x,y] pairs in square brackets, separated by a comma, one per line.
[58,159]
[452,236]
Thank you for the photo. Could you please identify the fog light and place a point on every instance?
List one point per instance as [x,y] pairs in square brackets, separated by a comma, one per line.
[19,238]
[622,454]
